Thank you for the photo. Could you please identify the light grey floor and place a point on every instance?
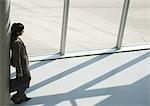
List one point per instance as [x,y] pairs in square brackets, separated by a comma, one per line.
[92,24]
[120,79]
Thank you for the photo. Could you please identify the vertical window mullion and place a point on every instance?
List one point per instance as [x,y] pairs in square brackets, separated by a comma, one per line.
[64,27]
[122,23]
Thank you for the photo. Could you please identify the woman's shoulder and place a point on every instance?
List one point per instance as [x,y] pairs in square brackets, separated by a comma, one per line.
[16,43]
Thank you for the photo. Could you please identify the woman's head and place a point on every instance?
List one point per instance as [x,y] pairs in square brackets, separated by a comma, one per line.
[17,29]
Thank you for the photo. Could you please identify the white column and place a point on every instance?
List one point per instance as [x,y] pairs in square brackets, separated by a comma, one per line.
[4,52]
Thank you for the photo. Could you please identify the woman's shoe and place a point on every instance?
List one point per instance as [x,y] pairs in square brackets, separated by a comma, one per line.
[16,99]
[24,98]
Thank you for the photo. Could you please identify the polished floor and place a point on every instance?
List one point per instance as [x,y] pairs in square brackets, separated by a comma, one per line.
[119,79]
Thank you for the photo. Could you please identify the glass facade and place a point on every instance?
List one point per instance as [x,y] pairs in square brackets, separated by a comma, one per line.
[138,23]
[91,24]
[42,20]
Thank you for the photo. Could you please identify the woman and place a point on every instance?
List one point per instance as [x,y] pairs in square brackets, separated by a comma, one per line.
[19,60]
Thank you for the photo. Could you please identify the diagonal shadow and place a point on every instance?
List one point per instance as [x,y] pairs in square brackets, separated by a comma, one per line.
[73,102]
[34,66]
[111,73]
[81,91]
[136,94]
[67,72]
[120,95]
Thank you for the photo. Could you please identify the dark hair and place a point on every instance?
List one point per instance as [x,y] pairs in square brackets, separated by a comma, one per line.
[16,27]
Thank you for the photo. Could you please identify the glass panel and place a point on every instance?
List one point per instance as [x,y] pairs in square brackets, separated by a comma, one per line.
[93,24]
[138,23]
[42,20]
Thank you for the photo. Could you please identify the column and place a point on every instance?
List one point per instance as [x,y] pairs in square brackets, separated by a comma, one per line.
[4,52]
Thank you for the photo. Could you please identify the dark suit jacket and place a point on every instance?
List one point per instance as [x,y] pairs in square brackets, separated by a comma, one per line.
[19,58]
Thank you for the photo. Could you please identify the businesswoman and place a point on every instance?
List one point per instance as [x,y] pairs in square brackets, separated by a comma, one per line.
[19,60]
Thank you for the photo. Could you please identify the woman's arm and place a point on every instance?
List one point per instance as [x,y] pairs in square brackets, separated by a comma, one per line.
[17,58]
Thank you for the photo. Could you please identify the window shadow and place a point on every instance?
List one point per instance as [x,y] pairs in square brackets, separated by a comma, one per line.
[67,72]
[134,94]
[34,66]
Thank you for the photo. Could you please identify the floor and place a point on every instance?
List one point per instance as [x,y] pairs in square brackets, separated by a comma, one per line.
[119,79]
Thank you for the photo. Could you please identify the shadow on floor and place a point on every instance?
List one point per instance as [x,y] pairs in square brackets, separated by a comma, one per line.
[34,66]
[136,94]
[67,72]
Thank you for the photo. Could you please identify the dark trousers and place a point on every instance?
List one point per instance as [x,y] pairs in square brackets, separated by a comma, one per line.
[19,84]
